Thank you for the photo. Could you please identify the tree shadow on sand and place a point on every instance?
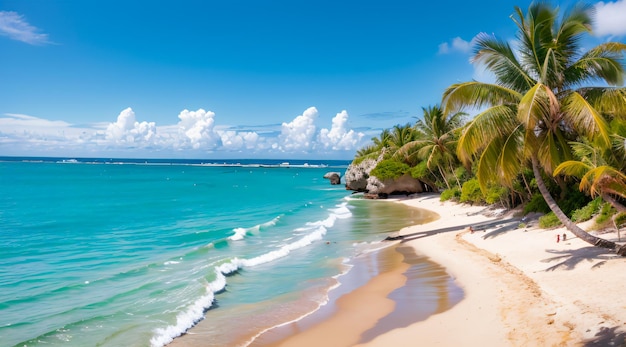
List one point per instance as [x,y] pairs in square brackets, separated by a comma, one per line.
[569,259]
[607,337]
[476,226]
[502,228]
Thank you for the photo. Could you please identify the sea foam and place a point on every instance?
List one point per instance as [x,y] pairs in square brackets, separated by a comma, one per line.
[195,312]
[192,315]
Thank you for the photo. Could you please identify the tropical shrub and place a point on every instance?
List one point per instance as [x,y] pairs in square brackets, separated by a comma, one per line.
[496,194]
[585,213]
[606,211]
[549,220]
[453,193]
[389,169]
[536,204]
[470,192]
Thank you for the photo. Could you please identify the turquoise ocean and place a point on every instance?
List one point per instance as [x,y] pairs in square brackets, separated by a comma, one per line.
[99,252]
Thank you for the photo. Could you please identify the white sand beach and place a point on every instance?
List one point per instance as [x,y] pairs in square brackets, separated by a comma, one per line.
[522,287]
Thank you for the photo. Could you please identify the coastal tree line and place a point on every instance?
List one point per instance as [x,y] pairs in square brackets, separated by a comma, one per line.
[549,133]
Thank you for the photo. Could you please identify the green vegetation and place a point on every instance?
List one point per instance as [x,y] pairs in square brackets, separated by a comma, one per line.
[549,220]
[606,211]
[453,193]
[546,137]
[471,192]
[587,212]
[390,169]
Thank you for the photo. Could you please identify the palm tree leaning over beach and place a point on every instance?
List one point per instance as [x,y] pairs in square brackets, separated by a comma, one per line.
[540,101]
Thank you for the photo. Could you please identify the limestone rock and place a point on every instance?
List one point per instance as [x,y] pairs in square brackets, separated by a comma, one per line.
[356,175]
[404,184]
[334,177]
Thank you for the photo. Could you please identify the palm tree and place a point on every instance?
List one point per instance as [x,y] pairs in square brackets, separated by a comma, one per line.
[378,145]
[537,104]
[400,136]
[599,172]
[437,141]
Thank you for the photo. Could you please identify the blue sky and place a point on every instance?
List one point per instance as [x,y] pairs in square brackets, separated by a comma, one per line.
[235,79]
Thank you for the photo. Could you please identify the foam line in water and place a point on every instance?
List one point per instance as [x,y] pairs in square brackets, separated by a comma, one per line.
[192,315]
[195,312]
[240,233]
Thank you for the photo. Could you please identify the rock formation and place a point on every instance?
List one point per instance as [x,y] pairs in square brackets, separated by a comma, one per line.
[357,174]
[404,184]
[334,177]
[357,178]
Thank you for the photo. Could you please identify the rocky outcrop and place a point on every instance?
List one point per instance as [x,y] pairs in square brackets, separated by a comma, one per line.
[404,184]
[334,177]
[357,174]
[357,178]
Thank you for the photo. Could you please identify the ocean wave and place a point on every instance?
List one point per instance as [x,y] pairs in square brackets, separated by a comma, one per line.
[195,312]
[241,233]
[192,315]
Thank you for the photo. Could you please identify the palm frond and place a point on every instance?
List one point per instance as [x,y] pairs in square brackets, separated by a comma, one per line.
[495,122]
[572,168]
[477,95]
[601,62]
[586,119]
[498,57]
[606,100]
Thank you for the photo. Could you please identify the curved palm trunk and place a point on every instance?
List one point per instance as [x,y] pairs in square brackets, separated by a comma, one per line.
[458,183]
[619,207]
[571,226]
[613,202]
[443,176]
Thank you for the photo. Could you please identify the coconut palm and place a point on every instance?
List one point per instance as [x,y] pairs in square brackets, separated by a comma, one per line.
[378,145]
[599,172]
[437,141]
[400,136]
[540,100]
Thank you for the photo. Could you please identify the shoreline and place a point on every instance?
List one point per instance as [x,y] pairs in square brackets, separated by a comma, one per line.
[521,287]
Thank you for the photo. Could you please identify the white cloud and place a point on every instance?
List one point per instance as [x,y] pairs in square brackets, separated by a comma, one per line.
[457,45]
[233,140]
[197,128]
[610,18]
[339,137]
[298,134]
[195,135]
[15,27]
[126,130]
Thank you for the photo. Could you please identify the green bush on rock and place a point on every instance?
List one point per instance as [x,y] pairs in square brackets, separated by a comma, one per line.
[390,169]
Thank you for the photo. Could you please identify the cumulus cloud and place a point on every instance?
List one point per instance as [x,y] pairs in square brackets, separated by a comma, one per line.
[233,140]
[457,45]
[15,27]
[126,130]
[339,137]
[197,128]
[298,135]
[196,132]
[610,18]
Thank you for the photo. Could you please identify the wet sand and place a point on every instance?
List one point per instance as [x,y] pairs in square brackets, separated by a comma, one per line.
[407,288]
